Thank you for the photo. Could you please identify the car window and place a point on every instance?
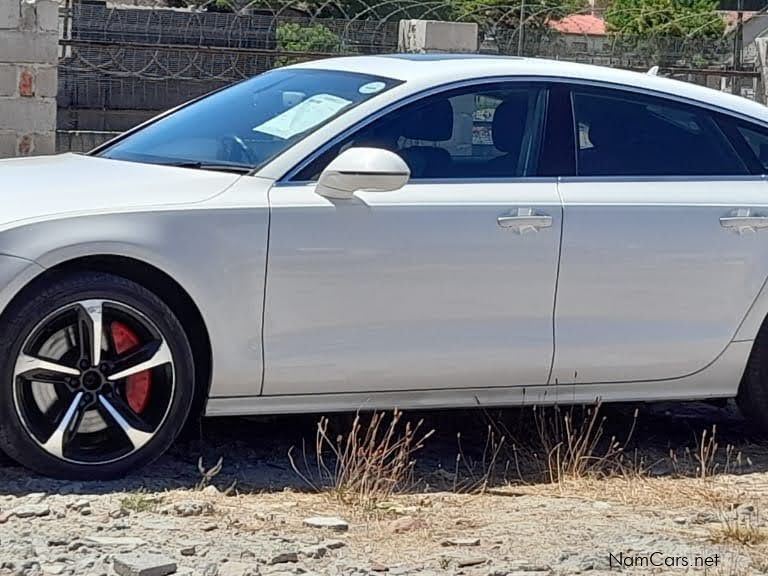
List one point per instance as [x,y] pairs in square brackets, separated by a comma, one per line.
[627,134]
[251,122]
[757,140]
[489,131]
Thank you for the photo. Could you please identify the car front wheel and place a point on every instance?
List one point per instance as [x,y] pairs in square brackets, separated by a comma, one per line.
[96,377]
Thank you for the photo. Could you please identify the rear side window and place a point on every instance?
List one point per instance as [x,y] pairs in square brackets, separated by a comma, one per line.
[626,134]
[756,139]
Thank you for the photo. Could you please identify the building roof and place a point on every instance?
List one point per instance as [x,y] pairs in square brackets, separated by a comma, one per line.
[579,24]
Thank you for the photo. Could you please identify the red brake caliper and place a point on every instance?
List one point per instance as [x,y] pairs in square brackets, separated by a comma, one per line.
[137,387]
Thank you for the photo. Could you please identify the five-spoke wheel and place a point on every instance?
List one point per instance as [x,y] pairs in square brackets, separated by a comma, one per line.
[98,377]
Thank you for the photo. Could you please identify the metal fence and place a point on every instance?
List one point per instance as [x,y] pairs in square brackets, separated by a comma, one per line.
[120,65]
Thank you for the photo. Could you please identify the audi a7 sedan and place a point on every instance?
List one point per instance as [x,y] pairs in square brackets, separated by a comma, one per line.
[368,232]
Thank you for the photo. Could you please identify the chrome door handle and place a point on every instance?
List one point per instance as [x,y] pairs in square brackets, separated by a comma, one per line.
[524,220]
[742,220]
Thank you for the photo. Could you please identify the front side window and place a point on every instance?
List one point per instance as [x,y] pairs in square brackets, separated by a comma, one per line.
[627,134]
[756,137]
[252,122]
[488,131]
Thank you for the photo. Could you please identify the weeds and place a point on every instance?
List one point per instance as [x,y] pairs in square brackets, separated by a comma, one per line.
[140,502]
[208,474]
[367,464]
[744,529]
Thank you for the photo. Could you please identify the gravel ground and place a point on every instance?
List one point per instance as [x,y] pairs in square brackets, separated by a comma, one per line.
[257,516]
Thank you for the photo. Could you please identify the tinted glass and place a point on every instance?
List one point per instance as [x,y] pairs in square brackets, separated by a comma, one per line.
[757,140]
[626,134]
[252,122]
[482,132]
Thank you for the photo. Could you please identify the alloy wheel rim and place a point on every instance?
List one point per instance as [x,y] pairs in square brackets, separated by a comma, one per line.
[71,382]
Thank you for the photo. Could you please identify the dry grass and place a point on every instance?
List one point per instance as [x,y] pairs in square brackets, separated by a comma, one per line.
[367,464]
[743,529]
[140,502]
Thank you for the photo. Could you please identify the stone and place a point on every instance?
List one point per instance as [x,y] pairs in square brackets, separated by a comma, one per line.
[327,522]
[333,544]
[467,561]
[406,524]
[378,567]
[461,542]
[31,511]
[316,551]
[284,558]
[237,569]
[143,565]
[114,541]
[79,505]
[211,491]
[190,508]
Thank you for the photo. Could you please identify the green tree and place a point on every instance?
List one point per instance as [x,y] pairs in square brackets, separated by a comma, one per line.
[670,18]
[292,37]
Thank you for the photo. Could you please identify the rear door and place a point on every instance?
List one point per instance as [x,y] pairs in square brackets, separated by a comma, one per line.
[664,240]
[446,283]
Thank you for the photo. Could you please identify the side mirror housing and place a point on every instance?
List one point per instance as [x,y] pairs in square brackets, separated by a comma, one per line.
[370,169]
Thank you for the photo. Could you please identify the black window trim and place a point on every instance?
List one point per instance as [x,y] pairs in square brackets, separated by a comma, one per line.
[730,127]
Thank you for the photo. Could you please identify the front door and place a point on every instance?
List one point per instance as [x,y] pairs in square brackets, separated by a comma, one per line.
[446,283]
[657,266]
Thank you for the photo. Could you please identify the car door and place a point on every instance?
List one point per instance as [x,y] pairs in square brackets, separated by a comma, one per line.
[448,282]
[664,245]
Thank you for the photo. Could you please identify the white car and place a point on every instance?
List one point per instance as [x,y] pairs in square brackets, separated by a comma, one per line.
[369,232]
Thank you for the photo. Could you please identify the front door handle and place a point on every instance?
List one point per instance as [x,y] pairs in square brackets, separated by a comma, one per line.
[743,220]
[524,220]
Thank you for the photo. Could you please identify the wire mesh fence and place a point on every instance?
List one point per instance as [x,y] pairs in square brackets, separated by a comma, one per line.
[121,64]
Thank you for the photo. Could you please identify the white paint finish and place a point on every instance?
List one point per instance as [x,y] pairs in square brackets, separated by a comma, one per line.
[719,380]
[414,289]
[70,184]
[651,286]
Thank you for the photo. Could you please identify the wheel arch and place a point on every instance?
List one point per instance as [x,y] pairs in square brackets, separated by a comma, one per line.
[166,288]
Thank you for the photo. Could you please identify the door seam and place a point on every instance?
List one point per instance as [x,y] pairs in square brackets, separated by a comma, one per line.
[557,282]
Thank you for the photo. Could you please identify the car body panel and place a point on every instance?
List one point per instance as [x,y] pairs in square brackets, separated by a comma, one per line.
[414,289]
[651,286]
[216,251]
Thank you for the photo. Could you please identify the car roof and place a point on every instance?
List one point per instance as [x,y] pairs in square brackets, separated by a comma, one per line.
[425,70]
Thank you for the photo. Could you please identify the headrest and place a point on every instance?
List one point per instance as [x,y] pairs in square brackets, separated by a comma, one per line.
[433,123]
[509,123]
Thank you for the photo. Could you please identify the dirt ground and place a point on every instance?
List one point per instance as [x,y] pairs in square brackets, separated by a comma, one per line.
[483,499]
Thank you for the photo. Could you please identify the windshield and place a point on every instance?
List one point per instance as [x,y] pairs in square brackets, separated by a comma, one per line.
[249,123]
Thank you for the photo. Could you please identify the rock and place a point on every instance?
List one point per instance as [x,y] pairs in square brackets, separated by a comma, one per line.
[114,541]
[188,508]
[328,522]
[461,542]
[680,520]
[316,551]
[406,524]
[119,513]
[333,544]
[284,557]
[53,568]
[79,505]
[188,550]
[209,527]
[143,565]
[57,541]
[211,491]
[378,567]
[31,511]
[466,561]
[237,569]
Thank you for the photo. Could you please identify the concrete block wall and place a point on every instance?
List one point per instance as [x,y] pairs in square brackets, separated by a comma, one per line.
[28,84]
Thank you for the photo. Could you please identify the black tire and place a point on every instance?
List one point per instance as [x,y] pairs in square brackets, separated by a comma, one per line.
[752,398]
[23,318]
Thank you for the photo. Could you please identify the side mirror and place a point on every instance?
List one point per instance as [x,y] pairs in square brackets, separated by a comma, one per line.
[371,169]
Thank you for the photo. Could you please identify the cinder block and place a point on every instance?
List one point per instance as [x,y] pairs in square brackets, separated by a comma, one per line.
[44,143]
[8,144]
[10,14]
[28,115]
[47,15]
[47,82]
[29,47]
[424,36]
[9,79]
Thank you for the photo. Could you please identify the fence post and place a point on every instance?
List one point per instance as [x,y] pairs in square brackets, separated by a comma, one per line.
[762,61]
[28,83]
[428,36]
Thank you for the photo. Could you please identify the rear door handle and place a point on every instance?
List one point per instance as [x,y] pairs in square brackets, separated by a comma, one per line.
[743,220]
[524,220]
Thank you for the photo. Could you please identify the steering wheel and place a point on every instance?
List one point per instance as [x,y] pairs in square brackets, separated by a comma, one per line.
[236,150]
